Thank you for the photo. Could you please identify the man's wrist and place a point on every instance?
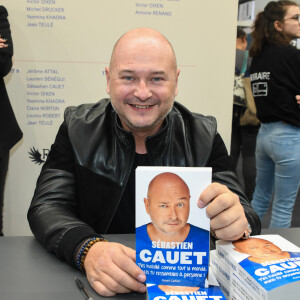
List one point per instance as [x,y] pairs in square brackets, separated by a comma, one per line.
[84,249]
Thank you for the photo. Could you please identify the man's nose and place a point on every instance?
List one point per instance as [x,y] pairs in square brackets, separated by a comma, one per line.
[142,91]
[173,213]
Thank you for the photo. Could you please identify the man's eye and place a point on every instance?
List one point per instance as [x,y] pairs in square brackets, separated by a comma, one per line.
[156,79]
[128,78]
[180,204]
[163,205]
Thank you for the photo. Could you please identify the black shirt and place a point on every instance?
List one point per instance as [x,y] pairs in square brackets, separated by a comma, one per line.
[124,218]
[275,80]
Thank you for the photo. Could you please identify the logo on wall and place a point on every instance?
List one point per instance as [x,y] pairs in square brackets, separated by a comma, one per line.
[37,157]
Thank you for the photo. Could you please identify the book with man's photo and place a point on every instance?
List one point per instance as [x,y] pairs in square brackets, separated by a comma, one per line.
[172,232]
[212,291]
[261,267]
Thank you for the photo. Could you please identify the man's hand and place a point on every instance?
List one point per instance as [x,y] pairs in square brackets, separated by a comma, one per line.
[227,216]
[111,269]
[298,99]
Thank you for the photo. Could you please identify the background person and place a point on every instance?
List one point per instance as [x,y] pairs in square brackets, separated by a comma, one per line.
[87,185]
[243,137]
[10,132]
[275,79]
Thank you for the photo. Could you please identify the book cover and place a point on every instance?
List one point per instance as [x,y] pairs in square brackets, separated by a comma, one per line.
[265,266]
[211,291]
[172,233]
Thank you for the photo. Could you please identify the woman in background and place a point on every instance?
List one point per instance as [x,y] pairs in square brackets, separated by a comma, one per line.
[275,80]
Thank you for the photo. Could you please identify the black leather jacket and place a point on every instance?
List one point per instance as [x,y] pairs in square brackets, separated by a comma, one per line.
[84,177]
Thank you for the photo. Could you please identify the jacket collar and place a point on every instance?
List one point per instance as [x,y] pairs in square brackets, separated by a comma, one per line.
[154,143]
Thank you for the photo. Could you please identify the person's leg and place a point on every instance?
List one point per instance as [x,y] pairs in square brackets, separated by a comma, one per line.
[264,173]
[3,172]
[249,134]
[286,149]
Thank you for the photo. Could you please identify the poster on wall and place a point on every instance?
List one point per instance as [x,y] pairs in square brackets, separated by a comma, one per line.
[61,48]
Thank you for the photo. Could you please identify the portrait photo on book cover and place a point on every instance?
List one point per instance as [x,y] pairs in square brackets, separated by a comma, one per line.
[265,250]
[172,233]
[270,259]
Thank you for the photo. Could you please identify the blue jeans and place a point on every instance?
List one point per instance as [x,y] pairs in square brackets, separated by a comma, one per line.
[278,171]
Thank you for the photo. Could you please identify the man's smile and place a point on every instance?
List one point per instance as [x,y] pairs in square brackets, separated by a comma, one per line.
[141,106]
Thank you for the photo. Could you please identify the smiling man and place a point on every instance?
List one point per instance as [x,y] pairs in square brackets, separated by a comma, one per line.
[87,185]
[142,88]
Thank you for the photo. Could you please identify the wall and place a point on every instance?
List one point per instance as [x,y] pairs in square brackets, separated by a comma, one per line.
[62,48]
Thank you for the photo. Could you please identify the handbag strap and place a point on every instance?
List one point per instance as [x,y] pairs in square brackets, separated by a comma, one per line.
[244,66]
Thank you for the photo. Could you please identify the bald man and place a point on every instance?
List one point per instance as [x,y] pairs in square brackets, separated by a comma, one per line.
[87,185]
[168,205]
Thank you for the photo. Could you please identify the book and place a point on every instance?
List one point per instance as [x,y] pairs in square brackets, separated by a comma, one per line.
[172,232]
[261,267]
[210,291]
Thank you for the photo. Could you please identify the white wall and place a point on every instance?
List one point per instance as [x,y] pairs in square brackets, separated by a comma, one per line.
[72,41]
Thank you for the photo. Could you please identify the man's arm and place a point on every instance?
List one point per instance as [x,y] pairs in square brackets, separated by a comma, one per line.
[227,206]
[53,218]
[53,213]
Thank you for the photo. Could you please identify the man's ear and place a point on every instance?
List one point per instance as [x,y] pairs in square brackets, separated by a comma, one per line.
[107,79]
[146,202]
[278,26]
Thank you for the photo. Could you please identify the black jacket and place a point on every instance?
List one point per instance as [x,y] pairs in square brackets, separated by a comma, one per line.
[10,132]
[87,169]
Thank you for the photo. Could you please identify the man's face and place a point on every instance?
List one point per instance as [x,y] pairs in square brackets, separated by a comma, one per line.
[168,205]
[142,83]
[258,248]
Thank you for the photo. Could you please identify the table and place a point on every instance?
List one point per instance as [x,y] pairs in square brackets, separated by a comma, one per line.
[29,272]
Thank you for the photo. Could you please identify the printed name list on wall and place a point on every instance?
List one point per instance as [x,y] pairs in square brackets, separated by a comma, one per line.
[44,86]
[44,102]
[44,13]
[160,8]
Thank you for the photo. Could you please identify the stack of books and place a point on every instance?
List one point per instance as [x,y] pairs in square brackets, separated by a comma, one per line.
[261,267]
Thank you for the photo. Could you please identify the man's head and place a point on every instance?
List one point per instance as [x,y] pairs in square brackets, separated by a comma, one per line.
[142,79]
[241,39]
[258,248]
[168,203]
